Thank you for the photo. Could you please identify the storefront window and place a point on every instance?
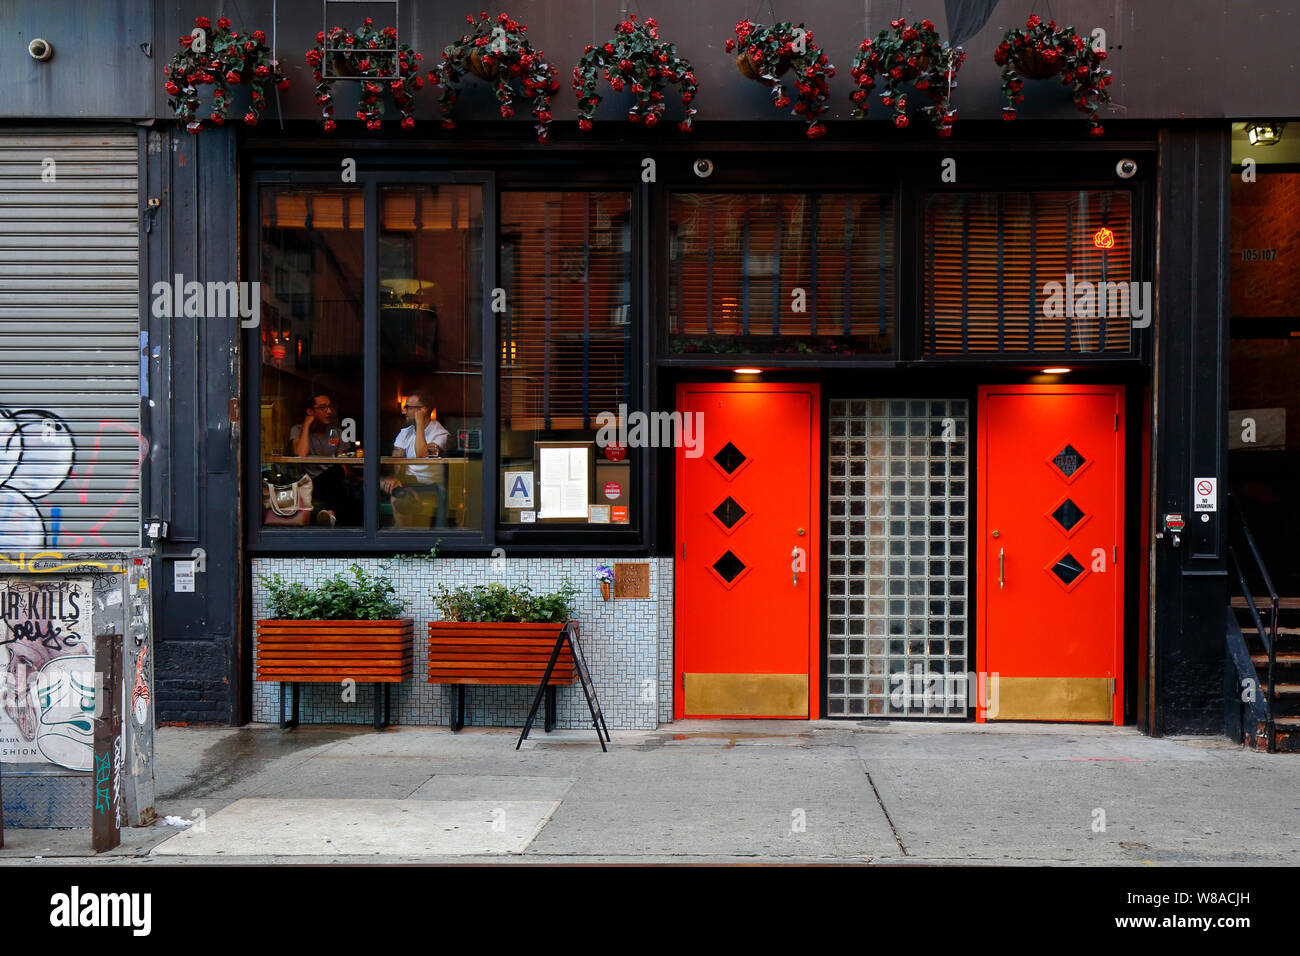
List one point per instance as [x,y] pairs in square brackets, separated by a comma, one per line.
[431,365]
[566,339]
[310,406]
[793,273]
[1045,272]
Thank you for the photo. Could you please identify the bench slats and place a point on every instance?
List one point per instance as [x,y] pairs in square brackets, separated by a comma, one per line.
[477,653]
[380,652]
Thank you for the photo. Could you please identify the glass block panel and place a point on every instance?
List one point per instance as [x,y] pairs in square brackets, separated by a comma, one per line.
[919,672]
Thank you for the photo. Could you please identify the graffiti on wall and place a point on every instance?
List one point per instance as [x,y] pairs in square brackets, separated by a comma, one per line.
[36,451]
[47,672]
[37,454]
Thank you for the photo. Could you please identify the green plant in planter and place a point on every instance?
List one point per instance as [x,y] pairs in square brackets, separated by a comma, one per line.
[636,59]
[499,52]
[908,54]
[381,63]
[498,604]
[765,53]
[362,597]
[224,58]
[1043,50]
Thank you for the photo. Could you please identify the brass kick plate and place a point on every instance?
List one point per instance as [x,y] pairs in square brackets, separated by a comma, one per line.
[747,695]
[1050,698]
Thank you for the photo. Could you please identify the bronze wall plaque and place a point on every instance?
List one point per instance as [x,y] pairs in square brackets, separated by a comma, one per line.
[632,581]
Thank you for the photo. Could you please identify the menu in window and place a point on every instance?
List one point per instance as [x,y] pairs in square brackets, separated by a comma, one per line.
[563,477]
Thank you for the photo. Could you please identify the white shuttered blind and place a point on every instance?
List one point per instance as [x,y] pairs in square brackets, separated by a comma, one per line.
[70,445]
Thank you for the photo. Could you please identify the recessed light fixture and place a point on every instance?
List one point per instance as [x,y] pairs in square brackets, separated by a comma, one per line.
[1264,134]
[1055,371]
[748,371]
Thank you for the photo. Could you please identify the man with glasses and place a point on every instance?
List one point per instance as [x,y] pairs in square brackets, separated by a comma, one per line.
[423,437]
[318,437]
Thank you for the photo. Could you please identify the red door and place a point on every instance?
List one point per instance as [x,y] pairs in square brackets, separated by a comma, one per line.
[1050,552]
[747,536]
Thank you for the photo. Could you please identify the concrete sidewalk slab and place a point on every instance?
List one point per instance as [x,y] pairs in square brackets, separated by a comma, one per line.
[456,786]
[686,802]
[261,827]
[1002,811]
[713,791]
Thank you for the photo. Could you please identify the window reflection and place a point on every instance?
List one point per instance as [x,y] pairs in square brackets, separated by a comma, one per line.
[431,363]
[311,270]
[566,368]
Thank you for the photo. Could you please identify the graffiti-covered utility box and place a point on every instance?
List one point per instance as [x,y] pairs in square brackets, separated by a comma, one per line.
[52,604]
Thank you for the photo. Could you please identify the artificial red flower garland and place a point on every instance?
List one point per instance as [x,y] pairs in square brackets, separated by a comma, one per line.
[379,60]
[910,54]
[498,51]
[638,60]
[767,52]
[228,58]
[1044,50]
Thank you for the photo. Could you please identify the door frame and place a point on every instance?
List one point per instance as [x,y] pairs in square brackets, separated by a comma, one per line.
[813,548]
[983,549]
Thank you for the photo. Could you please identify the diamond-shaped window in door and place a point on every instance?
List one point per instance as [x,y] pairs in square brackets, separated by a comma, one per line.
[1068,515]
[730,458]
[729,514]
[1067,570]
[729,568]
[1068,461]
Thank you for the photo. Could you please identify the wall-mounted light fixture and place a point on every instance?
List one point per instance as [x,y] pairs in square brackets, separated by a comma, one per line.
[1055,370]
[748,371]
[1264,134]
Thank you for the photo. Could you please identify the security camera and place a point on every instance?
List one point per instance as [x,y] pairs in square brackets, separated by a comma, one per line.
[1126,169]
[703,168]
[40,49]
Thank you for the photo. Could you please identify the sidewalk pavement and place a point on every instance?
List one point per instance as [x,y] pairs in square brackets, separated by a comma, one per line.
[706,792]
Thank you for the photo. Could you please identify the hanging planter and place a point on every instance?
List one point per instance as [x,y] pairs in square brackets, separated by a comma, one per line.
[498,52]
[374,57]
[1043,50]
[767,53]
[637,60]
[224,58]
[909,54]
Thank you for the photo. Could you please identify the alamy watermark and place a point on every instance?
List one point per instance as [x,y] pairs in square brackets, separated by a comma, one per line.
[651,430]
[1098,300]
[208,300]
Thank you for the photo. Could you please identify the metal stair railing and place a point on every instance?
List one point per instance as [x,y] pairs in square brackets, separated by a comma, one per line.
[1238,654]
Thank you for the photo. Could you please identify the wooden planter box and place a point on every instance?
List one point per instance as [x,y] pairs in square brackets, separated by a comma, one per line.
[477,653]
[377,652]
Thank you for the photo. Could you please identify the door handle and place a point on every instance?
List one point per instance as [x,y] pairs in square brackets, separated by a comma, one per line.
[794,567]
[1002,567]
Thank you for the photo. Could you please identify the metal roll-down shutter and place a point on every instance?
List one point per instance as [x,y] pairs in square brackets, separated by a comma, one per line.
[70,444]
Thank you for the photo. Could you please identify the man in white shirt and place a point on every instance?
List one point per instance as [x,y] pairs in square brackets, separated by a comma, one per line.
[423,437]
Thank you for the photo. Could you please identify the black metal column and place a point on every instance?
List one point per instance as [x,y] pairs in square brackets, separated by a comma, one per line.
[1189,586]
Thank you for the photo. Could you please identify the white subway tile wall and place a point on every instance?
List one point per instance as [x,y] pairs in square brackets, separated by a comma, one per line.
[628,645]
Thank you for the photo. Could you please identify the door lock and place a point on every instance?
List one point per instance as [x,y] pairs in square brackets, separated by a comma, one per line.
[1174,525]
